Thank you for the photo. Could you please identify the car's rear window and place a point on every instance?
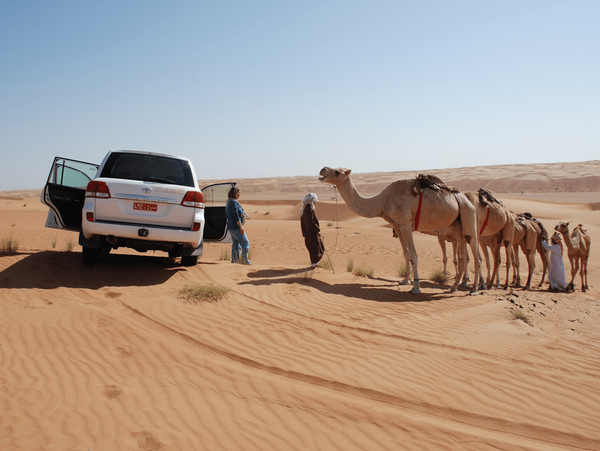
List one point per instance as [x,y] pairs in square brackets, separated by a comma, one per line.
[152,168]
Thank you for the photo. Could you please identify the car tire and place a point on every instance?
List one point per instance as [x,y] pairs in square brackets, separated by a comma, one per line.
[90,255]
[189,260]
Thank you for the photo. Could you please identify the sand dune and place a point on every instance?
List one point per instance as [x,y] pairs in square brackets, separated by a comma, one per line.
[111,358]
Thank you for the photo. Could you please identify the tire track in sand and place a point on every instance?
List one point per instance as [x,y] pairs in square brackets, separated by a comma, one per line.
[480,425]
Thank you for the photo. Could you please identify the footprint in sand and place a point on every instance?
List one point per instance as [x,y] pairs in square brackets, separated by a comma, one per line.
[121,352]
[113,295]
[146,441]
[112,392]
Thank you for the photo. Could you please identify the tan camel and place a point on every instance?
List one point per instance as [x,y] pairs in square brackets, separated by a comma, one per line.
[493,218]
[491,243]
[430,210]
[529,234]
[578,244]
[447,236]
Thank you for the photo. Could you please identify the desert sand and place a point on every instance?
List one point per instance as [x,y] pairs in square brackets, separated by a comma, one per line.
[110,357]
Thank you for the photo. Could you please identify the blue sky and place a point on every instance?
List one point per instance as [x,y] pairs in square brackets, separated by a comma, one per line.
[281,88]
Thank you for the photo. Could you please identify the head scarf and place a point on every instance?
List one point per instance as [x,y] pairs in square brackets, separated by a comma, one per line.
[558,240]
[309,199]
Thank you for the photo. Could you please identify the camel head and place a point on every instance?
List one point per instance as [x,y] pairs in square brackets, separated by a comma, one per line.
[336,177]
[562,227]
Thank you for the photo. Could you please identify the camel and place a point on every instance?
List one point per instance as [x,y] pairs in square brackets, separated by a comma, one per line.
[529,234]
[493,218]
[408,206]
[447,235]
[491,243]
[578,244]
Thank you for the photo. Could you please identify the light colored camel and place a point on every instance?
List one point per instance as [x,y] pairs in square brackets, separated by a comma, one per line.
[493,218]
[529,234]
[447,236]
[578,244]
[491,243]
[431,210]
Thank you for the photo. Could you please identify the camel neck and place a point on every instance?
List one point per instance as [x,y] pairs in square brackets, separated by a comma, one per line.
[368,207]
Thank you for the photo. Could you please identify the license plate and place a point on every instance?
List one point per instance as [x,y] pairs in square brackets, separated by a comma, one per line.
[144,207]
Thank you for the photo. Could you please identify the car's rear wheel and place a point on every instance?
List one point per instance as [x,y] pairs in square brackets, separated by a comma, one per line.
[189,260]
[90,255]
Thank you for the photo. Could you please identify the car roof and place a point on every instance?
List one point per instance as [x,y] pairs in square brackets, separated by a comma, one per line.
[145,152]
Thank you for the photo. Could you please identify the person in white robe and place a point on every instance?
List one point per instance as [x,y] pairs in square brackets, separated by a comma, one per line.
[556,274]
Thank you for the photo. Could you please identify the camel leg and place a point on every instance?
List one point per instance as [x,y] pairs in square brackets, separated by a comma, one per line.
[574,269]
[509,257]
[406,253]
[408,245]
[544,256]
[508,236]
[461,245]
[486,256]
[516,267]
[466,279]
[584,265]
[496,272]
[442,243]
[530,254]
[468,219]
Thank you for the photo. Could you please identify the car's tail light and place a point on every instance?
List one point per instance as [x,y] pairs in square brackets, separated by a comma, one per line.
[89,216]
[193,199]
[97,189]
[196,227]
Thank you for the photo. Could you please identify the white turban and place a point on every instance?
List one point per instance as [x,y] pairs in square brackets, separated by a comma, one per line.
[309,199]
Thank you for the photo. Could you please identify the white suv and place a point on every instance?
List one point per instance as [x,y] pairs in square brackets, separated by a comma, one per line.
[140,200]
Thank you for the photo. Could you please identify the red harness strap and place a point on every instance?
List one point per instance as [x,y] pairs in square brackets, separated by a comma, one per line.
[487,216]
[418,216]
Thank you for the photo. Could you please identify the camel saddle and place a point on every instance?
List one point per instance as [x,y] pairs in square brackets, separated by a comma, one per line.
[486,197]
[432,182]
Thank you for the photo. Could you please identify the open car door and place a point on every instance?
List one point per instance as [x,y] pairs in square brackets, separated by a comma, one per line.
[215,219]
[64,192]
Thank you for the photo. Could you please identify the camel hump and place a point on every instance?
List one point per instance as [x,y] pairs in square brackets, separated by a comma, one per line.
[486,197]
[581,229]
[522,217]
[432,182]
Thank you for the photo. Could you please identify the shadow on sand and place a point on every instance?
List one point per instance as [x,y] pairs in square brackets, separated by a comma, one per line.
[380,290]
[50,269]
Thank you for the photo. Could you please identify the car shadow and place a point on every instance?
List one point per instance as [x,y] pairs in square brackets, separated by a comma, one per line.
[51,269]
[389,291]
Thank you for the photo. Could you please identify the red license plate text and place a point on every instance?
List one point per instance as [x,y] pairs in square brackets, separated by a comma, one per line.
[144,207]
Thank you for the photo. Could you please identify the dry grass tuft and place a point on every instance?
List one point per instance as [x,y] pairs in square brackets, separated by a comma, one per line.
[9,246]
[438,276]
[197,293]
[363,272]
[518,314]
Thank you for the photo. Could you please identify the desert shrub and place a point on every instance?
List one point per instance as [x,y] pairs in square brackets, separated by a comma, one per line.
[402,271]
[9,246]
[439,276]
[70,245]
[54,241]
[350,265]
[518,314]
[363,272]
[225,254]
[197,293]
[326,264]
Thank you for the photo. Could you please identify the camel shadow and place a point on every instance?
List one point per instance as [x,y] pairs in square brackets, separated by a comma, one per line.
[50,269]
[391,291]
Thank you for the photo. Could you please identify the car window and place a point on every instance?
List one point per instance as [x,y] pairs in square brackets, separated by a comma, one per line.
[216,195]
[151,168]
[72,173]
